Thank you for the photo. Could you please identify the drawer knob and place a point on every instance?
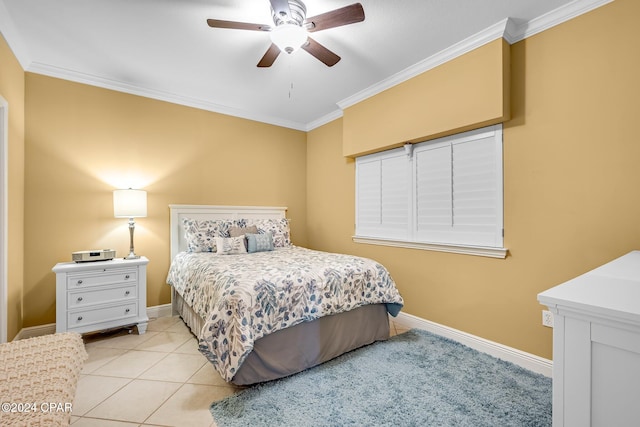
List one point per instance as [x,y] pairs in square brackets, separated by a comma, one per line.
[79,299]
[79,318]
[126,277]
[127,293]
[127,310]
[80,282]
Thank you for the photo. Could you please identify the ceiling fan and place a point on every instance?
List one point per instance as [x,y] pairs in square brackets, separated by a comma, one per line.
[291,28]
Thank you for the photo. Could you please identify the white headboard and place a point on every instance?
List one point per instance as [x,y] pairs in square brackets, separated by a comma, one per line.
[178,242]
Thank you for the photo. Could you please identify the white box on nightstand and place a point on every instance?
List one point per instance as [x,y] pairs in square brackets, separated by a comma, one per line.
[99,295]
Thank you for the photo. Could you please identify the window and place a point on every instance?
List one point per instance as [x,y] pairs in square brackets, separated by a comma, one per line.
[444,194]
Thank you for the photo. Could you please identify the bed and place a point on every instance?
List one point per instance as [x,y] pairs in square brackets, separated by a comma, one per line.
[263,308]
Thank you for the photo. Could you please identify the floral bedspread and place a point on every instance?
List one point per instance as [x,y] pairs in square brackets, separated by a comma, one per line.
[245,297]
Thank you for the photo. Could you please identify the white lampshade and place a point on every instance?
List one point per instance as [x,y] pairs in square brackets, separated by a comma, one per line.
[289,37]
[129,203]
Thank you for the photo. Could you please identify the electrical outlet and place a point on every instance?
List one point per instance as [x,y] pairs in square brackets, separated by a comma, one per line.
[547,318]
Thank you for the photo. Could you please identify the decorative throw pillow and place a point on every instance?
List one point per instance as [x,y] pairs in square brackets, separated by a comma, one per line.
[279,229]
[230,245]
[236,231]
[201,234]
[259,242]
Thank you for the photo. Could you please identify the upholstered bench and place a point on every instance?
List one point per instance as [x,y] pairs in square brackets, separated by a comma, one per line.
[38,379]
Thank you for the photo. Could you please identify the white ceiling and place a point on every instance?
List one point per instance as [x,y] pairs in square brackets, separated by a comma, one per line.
[164,49]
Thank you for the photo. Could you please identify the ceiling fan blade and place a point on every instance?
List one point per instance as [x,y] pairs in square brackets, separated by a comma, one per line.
[322,53]
[270,56]
[218,23]
[281,7]
[336,18]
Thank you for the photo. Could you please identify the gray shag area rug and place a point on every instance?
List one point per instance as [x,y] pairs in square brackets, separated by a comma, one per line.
[412,379]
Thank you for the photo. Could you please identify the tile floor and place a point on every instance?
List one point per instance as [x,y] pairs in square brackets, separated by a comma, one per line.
[155,379]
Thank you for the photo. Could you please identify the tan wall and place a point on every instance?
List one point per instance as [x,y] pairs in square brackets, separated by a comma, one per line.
[571,202]
[12,90]
[465,93]
[82,142]
[571,161]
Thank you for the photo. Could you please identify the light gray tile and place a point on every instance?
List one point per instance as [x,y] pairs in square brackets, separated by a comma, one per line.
[164,342]
[131,364]
[95,422]
[180,328]
[207,375]
[189,347]
[175,367]
[189,406]
[160,324]
[100,356]
[93,389]
[126,342]
[136,401]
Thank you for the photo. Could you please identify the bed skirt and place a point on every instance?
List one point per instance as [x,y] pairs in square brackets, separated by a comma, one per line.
[304,345]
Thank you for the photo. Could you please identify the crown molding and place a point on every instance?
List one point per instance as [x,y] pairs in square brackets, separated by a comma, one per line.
[508,29]
[327,118]
[556,17]
[93,80]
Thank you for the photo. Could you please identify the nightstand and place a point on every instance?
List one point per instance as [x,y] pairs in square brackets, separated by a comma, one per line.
[99,295]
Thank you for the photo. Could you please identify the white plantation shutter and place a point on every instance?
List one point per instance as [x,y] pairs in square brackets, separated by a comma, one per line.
[369,188]
[477,195]
[448,192]
[434,193]
[383,195]
[458,197]
[395,195]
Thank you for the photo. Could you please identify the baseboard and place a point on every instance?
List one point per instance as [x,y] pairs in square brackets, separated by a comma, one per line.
[37,331]
[526,360]
[163,310]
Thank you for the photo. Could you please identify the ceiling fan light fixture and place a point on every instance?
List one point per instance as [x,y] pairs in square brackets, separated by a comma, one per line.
[289,37]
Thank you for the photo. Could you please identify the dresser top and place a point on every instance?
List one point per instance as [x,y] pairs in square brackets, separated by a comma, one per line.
[65,267]
[611,290]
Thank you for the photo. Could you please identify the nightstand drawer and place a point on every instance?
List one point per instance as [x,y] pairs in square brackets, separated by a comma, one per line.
[108,277]
[100,295]
[99,315]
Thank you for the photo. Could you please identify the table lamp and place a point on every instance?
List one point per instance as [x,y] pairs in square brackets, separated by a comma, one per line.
[130,204]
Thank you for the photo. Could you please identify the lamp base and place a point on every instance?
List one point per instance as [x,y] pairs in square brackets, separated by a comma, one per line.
[132,255]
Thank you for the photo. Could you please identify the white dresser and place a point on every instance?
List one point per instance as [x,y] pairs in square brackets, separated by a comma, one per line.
[100,295]
[596,346]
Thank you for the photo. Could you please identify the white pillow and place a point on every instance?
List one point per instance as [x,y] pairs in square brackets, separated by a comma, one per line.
[230,245]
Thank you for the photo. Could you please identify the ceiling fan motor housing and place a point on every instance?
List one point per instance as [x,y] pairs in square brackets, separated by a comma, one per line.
[297,16]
